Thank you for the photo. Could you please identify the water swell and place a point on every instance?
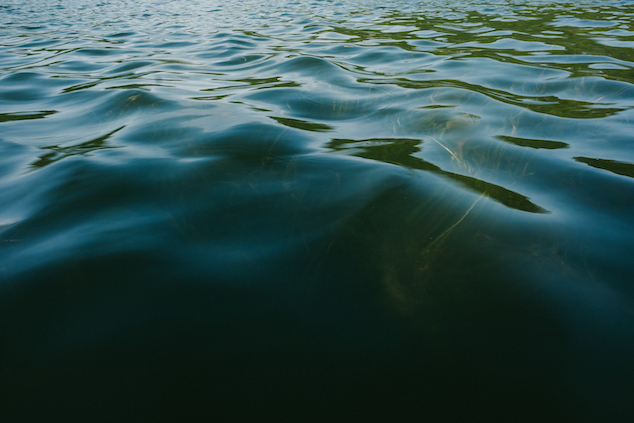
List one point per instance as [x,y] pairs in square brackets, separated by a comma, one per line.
[363,209]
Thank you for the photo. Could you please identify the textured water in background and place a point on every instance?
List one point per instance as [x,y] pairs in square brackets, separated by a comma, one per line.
[316,210]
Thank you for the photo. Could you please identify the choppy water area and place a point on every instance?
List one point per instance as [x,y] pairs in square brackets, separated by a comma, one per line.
[316,210]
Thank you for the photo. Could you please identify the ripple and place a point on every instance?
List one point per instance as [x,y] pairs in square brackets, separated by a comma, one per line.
[215,204]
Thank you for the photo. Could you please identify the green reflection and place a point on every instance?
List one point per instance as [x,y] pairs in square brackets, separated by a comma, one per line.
[527,142]
[551,105]
[238,84]
[531,25]
[7,117]
[399,151]
[621,168]
[302,124]
[57,153]
[274,82]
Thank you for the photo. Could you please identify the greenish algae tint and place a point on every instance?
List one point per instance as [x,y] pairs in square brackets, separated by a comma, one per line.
[351,210]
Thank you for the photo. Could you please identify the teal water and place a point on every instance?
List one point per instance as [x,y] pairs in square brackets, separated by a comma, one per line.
[348,210]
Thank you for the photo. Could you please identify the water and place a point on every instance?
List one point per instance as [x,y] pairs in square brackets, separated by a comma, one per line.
[316,210]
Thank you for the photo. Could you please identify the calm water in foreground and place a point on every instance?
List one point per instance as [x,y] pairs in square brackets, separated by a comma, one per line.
[316,211]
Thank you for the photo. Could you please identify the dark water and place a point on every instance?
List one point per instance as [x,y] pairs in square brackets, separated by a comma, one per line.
[316,211]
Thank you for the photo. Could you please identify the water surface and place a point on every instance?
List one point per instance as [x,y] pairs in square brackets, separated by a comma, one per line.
[317,210]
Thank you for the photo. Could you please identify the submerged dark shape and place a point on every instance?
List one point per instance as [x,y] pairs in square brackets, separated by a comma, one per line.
[399,151]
